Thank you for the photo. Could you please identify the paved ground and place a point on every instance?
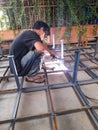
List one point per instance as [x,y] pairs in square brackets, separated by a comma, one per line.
[68,100]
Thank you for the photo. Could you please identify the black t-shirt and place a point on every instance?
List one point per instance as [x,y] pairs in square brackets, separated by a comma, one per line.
[21,45]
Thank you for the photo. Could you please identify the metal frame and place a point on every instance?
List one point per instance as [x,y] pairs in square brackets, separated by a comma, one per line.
[52,114]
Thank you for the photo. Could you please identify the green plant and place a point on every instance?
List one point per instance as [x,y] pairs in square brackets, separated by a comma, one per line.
[48,12]
[68,35]
[3,19]
[77,18]
[60,12]
[22,14]
[15,14]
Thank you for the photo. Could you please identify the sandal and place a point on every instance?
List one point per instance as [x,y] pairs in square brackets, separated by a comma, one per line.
[35,79]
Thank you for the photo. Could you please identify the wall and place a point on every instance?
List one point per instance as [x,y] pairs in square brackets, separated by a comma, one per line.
[91,30]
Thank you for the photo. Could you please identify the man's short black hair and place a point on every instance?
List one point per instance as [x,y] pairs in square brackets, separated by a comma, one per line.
[39,24]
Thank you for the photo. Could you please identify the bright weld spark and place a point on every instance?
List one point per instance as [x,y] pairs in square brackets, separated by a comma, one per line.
[57,64]
[61,65]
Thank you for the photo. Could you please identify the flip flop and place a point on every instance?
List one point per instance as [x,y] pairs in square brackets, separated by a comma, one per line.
[36,77]
[35,80]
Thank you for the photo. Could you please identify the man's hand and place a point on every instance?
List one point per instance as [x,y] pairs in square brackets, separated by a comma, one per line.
[53,54]
[40,47]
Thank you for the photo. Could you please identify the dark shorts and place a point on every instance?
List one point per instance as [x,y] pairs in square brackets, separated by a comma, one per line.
[32,60]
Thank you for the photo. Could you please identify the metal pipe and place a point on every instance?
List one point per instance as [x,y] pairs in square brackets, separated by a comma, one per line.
[49,97]
[13,66]
[62,48]
[11,127]
[53,41]
[77,57]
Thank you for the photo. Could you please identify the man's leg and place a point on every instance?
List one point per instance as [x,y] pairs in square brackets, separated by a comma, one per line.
[35,68]
[26,58]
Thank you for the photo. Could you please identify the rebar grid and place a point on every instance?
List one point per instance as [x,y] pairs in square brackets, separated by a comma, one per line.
[53,114]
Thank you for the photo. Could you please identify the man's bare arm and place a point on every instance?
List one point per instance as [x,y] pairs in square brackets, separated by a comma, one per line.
[43,48]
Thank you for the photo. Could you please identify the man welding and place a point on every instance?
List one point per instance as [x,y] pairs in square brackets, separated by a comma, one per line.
[28,48]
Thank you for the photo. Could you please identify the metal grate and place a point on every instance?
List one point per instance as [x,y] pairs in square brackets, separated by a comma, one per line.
[67,100]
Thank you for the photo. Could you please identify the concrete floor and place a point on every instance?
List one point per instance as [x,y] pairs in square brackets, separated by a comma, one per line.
[57,104]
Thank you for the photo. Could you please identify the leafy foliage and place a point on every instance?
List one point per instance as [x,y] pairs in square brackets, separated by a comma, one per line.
[22,14]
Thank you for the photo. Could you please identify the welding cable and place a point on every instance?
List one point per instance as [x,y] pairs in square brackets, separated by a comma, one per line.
[90,98]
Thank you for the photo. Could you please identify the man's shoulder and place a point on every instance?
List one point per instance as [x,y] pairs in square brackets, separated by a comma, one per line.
[30,32]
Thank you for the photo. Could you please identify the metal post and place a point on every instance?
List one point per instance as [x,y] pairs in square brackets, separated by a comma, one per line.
[13,66]
[77,57]
[62,48]
[53,41]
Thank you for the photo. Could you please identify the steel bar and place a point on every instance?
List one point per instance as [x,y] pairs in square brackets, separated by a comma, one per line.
[51,107]
[90,81]
[53,86]
[44,115]
[11,127]
[69,70]
[88,71]
[45,87]
[91,112]
[11,59]
[8,91]
[77,58]
[19,86]
[2,67]
[87,107]
[93,115]
[89,55]
[4,74]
